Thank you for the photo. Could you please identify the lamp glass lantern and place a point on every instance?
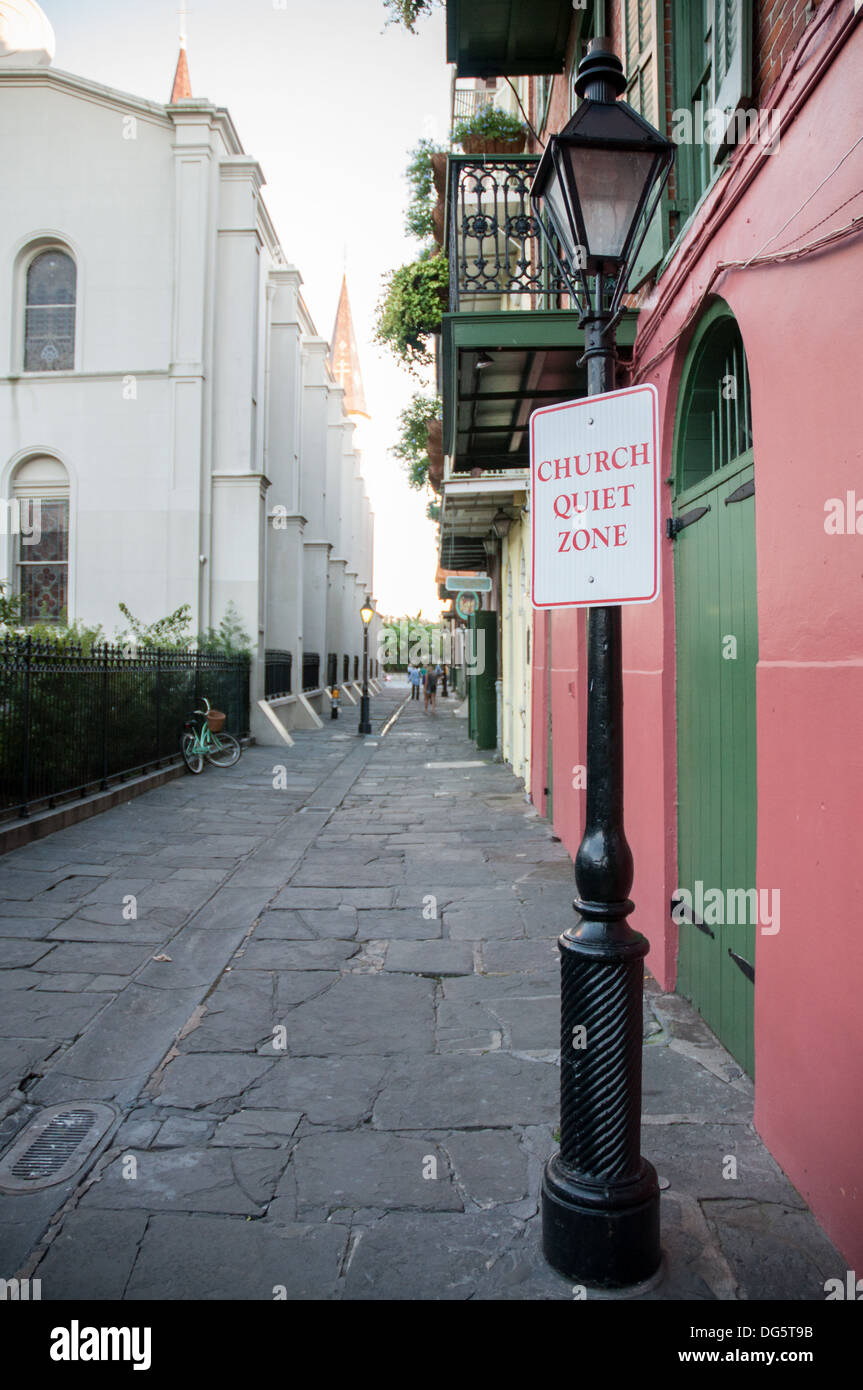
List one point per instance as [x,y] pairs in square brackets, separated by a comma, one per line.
[599,181]
[367,612]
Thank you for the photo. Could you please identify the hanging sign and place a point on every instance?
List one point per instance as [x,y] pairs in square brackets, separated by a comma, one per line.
[595,500]
[474,583]
[467,602]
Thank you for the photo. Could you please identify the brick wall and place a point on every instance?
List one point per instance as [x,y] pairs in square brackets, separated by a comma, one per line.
[779,27]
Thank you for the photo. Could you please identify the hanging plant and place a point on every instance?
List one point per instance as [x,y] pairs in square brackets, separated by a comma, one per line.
[421,177]
[490,131]
[410,310]
[407,12]
[418,430]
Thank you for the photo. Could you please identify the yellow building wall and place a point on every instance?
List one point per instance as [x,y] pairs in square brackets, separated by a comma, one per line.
[516,633]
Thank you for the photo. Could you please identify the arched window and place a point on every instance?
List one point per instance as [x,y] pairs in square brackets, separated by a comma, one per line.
[715,422]
[40,487]
[49,321]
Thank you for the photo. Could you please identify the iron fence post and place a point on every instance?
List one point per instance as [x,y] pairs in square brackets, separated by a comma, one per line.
[158,704]
[28,662]
[104,716]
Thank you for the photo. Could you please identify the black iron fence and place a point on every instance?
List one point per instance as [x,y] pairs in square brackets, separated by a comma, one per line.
[311,671]
[278,672]
[71,722]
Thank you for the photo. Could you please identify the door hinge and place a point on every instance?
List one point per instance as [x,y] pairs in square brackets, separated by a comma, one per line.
[675,524]
[745,490]
[748,970]
[691,920]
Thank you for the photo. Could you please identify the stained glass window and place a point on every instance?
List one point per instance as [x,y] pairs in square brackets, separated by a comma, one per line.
[43,560]
[49,329]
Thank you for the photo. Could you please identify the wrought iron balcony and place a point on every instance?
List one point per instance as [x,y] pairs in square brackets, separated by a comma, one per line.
[495,251]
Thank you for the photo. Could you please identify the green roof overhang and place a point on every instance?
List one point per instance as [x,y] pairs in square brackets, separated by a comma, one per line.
[531,360]
[511,38]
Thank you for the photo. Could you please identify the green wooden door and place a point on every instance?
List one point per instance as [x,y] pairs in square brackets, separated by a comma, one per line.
[717,652]
[549,731]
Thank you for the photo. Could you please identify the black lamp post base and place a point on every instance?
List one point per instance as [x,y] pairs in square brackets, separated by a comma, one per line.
[365,720]
[606,1234]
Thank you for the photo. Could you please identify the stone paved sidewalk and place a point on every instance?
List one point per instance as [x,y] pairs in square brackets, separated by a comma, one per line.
[343,1082]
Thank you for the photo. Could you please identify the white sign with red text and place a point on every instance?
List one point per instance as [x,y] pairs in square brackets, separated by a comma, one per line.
[594,504]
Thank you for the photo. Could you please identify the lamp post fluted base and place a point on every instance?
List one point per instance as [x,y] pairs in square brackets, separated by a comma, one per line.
[365,720]
[606,1234]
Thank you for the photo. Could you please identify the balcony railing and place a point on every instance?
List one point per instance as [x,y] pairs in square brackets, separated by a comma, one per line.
[495,251]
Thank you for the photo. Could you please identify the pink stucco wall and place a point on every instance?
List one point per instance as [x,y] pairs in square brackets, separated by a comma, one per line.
[801,327]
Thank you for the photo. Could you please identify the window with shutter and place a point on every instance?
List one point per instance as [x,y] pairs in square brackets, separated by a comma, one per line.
[732,61]
[712,68]
[642,28]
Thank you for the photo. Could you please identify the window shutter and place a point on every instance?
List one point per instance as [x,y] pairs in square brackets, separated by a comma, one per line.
[645,93]
[732,61]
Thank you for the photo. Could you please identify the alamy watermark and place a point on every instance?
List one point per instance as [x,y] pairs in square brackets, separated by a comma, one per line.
[21,516]
[714,125]
[719,907]
[401,645]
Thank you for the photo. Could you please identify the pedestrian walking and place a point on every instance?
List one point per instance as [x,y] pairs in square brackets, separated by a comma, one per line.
[414,678]
[430,686]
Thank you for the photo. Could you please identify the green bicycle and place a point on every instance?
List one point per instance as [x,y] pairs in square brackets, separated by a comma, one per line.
[208,741]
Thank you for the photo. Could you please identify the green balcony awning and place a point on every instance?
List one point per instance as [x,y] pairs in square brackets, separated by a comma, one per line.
[511,38]
[499,367]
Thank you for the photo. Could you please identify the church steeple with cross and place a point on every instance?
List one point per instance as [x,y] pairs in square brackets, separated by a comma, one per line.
[345,359]
[182,89]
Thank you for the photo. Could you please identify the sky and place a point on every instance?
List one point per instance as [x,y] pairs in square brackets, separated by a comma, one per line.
[330,101]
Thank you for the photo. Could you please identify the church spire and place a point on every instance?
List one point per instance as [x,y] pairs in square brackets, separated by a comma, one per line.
[345,359]
[182,89]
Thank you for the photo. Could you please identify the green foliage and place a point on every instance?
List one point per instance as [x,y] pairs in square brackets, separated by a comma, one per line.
[67,634]
[11,608]
[410,310]
[423,197]
[489,123]
[230,637]
[433,511]
[167,632]
[407,12]
[413,437]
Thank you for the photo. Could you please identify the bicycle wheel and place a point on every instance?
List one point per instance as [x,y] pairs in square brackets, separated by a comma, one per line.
[191,757]
[224,750]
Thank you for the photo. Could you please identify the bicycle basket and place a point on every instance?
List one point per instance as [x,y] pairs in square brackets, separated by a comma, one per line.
[216,720]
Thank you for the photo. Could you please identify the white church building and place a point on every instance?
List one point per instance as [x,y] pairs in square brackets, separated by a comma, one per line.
[164,393]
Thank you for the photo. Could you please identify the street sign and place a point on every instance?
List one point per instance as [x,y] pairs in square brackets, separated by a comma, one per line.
[594,470]
[476,583]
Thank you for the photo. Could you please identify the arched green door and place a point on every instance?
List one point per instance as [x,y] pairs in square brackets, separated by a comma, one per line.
[717,651]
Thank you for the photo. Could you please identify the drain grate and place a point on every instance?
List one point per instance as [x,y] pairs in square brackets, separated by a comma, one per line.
[54,1146]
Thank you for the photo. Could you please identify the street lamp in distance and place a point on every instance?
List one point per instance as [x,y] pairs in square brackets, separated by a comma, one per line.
[596,189]
[366,613]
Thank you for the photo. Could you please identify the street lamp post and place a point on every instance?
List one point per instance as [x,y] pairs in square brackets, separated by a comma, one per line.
[596,189]
[366,613]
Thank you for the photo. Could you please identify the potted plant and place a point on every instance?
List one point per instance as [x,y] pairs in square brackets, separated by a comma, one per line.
[490,131]
[410,310]
[434,450]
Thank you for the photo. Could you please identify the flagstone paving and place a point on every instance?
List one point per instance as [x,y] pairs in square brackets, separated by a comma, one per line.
[321,991]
